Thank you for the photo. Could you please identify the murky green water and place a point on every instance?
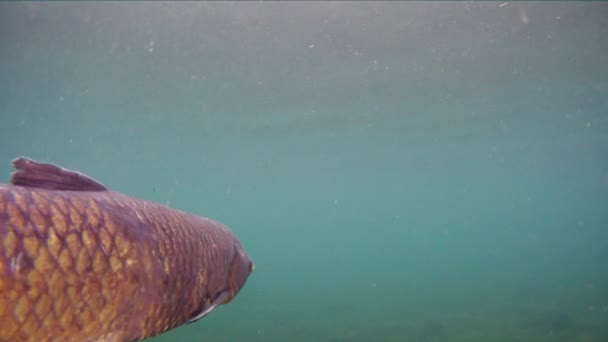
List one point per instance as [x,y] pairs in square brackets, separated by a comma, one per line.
[397,171]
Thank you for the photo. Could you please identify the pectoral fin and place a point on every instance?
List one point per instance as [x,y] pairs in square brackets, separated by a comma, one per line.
[209,307]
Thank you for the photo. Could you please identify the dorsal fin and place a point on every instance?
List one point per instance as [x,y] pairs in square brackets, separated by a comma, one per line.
[34,174]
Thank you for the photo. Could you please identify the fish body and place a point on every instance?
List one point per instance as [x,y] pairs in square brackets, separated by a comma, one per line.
[79,262]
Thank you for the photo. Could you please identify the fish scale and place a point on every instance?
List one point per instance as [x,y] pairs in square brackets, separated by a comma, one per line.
[53,262]
[79,262]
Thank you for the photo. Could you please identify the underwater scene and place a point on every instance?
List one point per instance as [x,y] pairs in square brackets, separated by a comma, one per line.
[397,171]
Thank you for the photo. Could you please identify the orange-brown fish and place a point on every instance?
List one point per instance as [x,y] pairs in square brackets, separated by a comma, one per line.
[79,262]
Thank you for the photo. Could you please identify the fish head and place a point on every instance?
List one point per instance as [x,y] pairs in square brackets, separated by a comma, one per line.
[239,272]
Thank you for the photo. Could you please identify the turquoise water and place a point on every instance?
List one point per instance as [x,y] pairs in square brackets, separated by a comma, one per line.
[397,171]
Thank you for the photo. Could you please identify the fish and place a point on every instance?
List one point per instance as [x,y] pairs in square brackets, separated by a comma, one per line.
[81,262]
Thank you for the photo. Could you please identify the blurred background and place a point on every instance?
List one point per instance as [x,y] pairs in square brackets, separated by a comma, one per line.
[398,171]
